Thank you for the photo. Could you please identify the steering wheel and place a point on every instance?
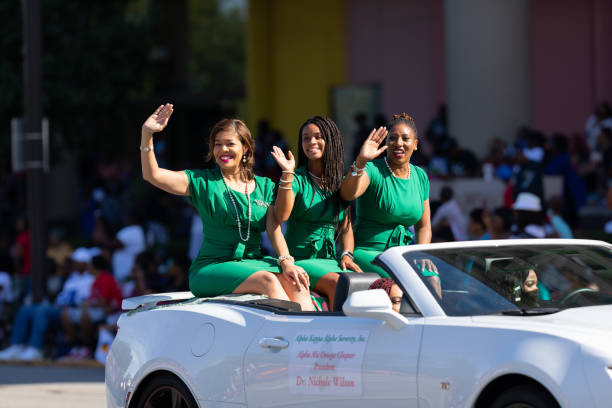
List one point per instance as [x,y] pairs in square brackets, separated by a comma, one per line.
[574,294]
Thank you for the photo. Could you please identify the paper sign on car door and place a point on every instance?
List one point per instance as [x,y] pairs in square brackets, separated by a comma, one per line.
[327,362]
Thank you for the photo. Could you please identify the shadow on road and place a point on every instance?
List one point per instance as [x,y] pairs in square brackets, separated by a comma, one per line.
[11,374]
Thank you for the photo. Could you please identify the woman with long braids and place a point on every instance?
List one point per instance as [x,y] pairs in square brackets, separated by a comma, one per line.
[309,200]
[235,207]
[391,194]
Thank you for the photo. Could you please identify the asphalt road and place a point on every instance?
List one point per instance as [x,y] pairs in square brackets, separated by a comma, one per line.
[35,386]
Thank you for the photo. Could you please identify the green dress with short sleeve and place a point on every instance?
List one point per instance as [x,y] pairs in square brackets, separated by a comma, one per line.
[389,206]
[224,260]
[311,227]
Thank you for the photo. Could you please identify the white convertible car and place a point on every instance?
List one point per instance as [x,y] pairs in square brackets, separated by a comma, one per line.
[517,323]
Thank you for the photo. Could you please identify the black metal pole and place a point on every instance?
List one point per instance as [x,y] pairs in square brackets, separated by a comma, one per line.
[32,74]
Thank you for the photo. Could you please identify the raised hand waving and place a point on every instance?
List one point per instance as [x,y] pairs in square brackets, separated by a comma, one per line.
[159,119]
[371,147]
[286,163]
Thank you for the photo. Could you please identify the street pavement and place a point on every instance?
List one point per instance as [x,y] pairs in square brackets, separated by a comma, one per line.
[51,385]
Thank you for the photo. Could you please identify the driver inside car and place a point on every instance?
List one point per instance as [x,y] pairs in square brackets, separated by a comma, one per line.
[518,282]
[529,292]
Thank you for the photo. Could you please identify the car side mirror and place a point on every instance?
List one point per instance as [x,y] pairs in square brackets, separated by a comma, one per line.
[373,304]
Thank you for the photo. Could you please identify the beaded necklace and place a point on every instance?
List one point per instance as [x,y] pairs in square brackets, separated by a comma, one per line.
[246,191]
[313,175]
[389,167]
[319,181]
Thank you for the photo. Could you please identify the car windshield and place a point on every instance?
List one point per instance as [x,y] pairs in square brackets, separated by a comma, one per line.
[522,279]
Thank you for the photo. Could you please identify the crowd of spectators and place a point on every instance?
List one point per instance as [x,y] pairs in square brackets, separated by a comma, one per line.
[583,161]
[132,240]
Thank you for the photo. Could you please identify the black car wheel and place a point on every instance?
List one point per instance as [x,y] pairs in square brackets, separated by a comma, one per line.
[525,396]
[166,391]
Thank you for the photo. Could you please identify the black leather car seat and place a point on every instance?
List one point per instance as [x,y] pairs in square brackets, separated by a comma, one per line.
[351,282]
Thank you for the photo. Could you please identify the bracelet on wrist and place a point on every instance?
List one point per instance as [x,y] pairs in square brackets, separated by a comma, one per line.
[286,181]
[285,188]
[284,258]
[146,149]
[356,171]
[354,166]
[347,253]
[287,171]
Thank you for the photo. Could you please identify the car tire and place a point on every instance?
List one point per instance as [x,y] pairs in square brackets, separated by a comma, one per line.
[165,390]
[524,396]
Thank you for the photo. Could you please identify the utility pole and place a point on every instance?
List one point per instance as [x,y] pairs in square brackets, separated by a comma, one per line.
[32,75]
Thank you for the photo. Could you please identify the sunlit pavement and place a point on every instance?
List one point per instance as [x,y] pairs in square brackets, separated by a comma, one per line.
[52,385]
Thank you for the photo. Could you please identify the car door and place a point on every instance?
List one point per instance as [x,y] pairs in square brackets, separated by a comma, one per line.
[297,360]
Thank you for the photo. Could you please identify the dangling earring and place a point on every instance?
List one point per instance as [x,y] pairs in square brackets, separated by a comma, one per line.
[244,159]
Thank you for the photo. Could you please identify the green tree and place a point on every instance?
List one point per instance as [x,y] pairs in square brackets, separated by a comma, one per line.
[217,58]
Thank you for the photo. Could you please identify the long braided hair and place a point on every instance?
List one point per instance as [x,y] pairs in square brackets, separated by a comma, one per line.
[333,161]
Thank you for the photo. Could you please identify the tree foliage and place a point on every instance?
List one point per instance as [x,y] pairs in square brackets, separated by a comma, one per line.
[99,65]
[217,58]
[94,61]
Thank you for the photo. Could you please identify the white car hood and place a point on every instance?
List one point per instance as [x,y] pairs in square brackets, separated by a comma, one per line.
[590,326]
[588,318]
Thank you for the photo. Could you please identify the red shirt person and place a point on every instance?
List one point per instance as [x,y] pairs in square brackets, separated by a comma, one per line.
[105,292]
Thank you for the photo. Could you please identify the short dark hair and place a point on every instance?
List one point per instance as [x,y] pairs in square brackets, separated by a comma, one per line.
[99,262]
[476,216]
[446,193]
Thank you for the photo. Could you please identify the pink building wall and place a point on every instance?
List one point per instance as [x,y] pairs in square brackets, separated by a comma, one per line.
[571,61]
[400,45]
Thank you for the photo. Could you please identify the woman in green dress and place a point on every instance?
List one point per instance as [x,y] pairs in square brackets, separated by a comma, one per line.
[235,207]
[392,195]
[309,200]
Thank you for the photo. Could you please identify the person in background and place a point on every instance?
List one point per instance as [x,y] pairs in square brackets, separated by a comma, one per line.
[144,276]
[504,173]
[529,218]
[477,228]
[6,278]
[449,213]
[498,223]
[600,118]
[32,321]
[129,242]
[6,293]
[529,177]
[177,274]
[59,250]
[196,235]
[21,255]
[555,207]
[574,190]
[103,303]
[608,225]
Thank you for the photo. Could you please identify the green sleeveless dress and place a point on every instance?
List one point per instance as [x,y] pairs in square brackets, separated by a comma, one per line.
[386,210]
[311,227]
[224,260]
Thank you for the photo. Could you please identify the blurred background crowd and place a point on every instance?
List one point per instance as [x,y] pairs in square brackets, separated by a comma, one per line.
[502,93]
